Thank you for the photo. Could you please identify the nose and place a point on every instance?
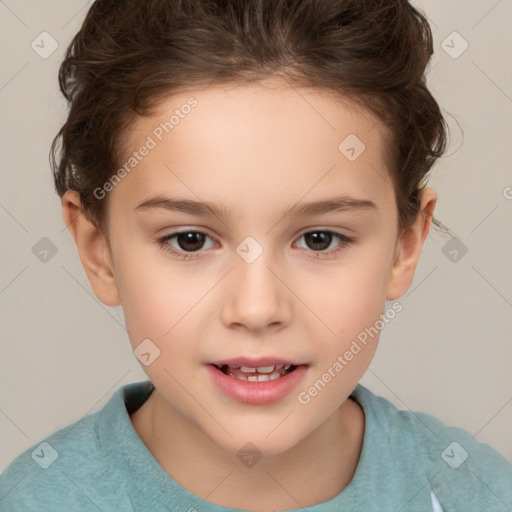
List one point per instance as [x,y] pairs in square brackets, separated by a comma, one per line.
[255,296]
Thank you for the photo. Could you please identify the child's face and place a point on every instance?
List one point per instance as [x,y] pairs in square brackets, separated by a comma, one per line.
[255,287]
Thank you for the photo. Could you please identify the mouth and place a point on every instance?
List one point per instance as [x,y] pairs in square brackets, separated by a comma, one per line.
[256,373]
[256,381]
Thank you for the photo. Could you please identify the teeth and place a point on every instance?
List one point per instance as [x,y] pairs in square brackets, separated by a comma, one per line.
[256,377]
[261,369]
[246,369]
[265,369]
[256,374]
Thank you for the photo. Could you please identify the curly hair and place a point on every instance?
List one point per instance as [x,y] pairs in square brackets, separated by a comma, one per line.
[129,55]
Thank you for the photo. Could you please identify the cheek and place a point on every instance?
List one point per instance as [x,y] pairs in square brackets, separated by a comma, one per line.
[351,302]
[352,296]
[352,307]
[162,306]
[157,300]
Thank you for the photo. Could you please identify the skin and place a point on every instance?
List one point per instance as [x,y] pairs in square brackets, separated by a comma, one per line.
[257,150]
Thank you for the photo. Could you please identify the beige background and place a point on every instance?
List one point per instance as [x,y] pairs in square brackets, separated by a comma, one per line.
[448,353]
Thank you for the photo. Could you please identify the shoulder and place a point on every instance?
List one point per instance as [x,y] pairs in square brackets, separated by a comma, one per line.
[35,477]
[75,467]
[460,469]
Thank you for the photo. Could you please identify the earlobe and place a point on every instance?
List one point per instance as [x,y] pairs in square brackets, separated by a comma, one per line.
[409,245]
[93,249]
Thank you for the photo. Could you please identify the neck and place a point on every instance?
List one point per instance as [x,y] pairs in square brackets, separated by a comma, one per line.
[315,470]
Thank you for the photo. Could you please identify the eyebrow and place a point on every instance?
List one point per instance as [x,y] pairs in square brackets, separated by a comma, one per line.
[205,209]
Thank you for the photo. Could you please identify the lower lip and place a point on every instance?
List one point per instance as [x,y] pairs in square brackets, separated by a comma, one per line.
[258,393]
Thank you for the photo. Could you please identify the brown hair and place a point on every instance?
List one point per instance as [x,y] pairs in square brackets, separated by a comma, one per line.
[130,54]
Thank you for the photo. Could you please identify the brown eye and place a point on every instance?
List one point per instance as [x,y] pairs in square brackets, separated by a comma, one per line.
[318,240]
[190,241]
[185,244]
[320,243]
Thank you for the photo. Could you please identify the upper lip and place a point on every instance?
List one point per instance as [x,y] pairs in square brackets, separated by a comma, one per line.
[254,363]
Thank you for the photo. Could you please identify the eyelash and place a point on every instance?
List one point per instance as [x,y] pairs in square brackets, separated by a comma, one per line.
[163,242]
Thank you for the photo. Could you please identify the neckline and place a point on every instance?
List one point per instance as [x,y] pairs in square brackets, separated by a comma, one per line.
[152,483]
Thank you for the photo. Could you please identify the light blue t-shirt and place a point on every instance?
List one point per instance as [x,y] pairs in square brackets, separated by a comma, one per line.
[409,462]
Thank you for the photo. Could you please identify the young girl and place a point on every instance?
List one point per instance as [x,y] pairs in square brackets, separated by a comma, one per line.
[247,178]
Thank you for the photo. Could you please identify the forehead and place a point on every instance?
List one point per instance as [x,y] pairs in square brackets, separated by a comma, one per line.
[241,139]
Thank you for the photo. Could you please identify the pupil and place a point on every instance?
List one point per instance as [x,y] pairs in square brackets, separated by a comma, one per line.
[318,237]
[191,239]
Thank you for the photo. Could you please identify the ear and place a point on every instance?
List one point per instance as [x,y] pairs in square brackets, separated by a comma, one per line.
[93,249]
[409,245]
